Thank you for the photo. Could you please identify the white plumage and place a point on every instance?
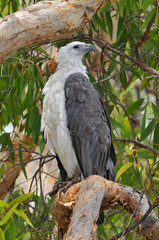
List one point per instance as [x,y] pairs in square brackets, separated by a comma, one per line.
[54,117]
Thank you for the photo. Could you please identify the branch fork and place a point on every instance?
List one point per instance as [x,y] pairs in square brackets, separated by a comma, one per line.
[77,211]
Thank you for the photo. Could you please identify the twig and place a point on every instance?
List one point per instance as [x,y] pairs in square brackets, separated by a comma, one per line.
[146,33]
[141,145]
[116,212]
[114,75]
[111,48]
[132,216]
[137,223]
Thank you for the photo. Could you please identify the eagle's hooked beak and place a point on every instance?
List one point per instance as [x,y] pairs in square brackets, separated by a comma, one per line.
[89,47]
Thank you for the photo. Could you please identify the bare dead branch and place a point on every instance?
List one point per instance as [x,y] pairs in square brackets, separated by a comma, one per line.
[52,20]
[77,211]
[145,36]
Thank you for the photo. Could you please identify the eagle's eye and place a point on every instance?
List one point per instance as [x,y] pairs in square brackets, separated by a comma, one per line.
[76,46]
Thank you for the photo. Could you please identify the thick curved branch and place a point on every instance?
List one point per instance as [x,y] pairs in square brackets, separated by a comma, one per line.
[43,22]
[95,194]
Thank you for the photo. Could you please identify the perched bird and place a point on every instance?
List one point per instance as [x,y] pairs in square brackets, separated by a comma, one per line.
[75,121]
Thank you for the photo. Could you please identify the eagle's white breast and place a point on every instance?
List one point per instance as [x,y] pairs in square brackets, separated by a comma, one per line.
[54,117]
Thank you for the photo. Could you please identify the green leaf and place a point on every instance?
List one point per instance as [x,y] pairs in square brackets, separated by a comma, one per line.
[156,137]
[121,150]
[122,38]
[109,24]
[4,106]
[148,18]
[27,236]
[10,233]
[4,204]
[2,234]
[123,169]
[147,131]
[8,215]
[32,115]
[120,25]
[102,233]
[105,8]
[42,145]
[2,169]
[135,73]
[4,139]
[100,22]
[94,24]
[4,116]
[116,123]
[29,145]
[134,106]
[20,199]
[10,145]
[143,123]
[111,67]
[155,43]
[36,129]
[145,5]
[155,110]
[156,17]
[123,79]
[22,164]
[128,7]
[144,83]
[20,213]
[121,7]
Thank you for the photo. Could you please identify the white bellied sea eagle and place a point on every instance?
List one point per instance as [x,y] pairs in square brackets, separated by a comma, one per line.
[74,119]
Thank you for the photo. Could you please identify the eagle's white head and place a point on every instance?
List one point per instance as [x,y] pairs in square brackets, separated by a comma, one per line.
[73,53]
[69,59]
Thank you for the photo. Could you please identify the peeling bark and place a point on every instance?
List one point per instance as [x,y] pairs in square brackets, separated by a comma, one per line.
[76,212]
[44,22]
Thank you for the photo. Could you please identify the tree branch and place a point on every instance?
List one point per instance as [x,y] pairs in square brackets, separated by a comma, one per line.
[102,43]
[87,198]
[43,22]
[139,144]
[145,36]
[128,229]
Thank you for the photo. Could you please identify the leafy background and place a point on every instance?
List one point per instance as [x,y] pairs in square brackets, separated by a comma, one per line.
[124,70]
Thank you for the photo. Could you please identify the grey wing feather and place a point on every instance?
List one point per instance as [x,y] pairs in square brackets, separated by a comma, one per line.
[89,128]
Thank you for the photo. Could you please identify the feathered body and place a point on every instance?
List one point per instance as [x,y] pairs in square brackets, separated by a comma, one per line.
[74,119]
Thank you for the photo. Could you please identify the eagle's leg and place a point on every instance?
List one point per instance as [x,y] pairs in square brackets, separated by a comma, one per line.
[76,178]
[64,186]
[56,187]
